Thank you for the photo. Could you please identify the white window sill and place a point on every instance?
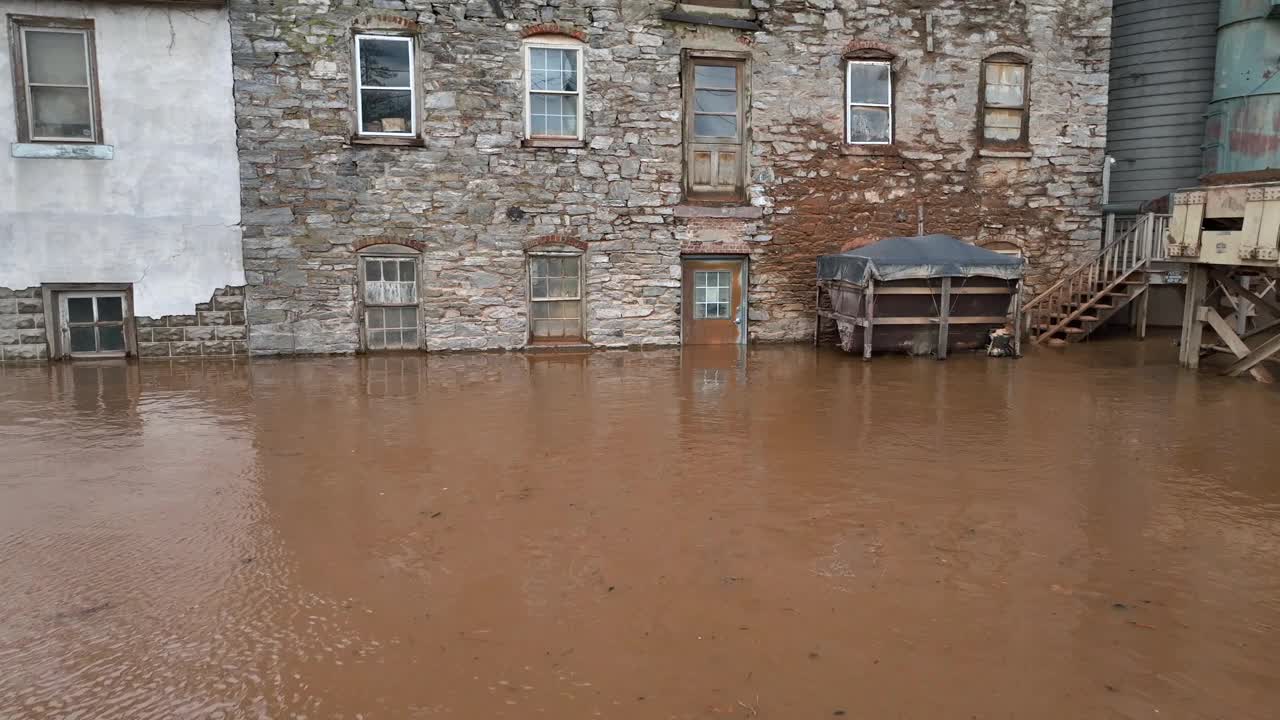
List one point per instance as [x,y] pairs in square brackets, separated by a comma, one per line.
[1021,154]
[62,151]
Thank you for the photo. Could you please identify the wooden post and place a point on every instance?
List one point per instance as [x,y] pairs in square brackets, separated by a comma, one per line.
[1250,361]
[944,318]
[817,313]
[1017,319]
[869,307]
[1192,329]
[1144,302]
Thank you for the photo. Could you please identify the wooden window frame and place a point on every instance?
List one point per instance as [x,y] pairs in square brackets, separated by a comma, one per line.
[849,103]
[741,62]
[580,298]
[1024,137]
[382,254]
[414,96]
[552,42]
[53,296]
[19,25]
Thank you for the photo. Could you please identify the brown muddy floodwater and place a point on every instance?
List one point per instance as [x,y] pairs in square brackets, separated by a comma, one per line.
[1087,533]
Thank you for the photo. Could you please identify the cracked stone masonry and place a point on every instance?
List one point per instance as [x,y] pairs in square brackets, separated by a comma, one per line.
[559,170]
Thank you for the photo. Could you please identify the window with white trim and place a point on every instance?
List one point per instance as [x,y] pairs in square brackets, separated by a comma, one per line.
[390,301]
[553,89]
[93,323]
[869,92]
[555,297]
[55,74]
[386,98]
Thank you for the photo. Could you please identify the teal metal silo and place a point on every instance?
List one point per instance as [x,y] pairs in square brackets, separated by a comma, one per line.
[1242,130]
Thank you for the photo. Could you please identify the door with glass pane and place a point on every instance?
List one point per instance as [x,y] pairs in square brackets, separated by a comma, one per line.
[93,324]
[714,311]
[390,303]
[555,298]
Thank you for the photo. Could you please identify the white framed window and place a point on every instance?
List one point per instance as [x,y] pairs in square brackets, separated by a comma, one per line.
[55,73]
[712,294]
[1004,109]
[869,112]
[554,83]
[555,297]
[93,323]
[386,98]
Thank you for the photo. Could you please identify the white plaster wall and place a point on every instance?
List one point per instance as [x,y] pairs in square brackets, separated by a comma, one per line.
[164,213]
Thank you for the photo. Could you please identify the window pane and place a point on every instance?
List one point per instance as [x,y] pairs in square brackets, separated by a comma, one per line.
[392,339]
[409,339]
[408,317]
[407,270]
[868,125]
[569,267]
[389,272]
[1005,84]
[384,63]
[553,114]
[539,288]
[61,112]
[1002,125]
[724,77]
[111,337]
[83,339]
[386,111]
[80,310]
[377,339]
[869,83]
[374,318]
[539,267]
[715,101]
[57,58]
[110,309]
[553,69]
[715,126]
[372,270]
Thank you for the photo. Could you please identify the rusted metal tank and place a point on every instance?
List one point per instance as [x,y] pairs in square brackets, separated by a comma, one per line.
[1242,130]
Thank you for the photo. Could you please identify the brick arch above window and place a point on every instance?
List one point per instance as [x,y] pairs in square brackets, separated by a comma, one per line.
[373,244]
[553,29]
[869,50]
[555,242]
[1007,53]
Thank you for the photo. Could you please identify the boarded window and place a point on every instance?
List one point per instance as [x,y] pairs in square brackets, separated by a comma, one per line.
[555,297]
[554,108]
[869,116]
[56,80]
[1004,101]
[715,132]
[385,102]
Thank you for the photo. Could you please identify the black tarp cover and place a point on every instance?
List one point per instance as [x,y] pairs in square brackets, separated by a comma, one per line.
[918,258]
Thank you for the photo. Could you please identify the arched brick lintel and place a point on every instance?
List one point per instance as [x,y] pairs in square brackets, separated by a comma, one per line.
[553,29]
[546,240]
[869,50]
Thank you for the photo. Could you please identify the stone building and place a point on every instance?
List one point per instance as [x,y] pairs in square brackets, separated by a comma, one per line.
[500,173]
[119,210]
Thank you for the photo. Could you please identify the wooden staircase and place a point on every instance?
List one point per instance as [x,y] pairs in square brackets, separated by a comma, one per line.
[1085,298]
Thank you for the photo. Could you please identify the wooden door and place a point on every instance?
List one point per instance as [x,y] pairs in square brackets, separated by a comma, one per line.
[714,313]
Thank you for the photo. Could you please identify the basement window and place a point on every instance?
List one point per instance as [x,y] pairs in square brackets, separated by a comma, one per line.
[386,104]
[55,76]
[93,324]
[555,297]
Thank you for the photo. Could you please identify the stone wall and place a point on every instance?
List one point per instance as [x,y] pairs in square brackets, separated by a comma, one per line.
[22,334]
[472,195]
[217,328]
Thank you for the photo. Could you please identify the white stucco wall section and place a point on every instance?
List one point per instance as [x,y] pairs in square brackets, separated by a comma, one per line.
[164,213]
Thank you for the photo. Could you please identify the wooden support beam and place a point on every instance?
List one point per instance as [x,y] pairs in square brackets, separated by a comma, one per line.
[935,291]
[1250,362]
[1144,300]
[1017,319]
[817,310]
[869,307]
[1192,328]
[1233,341]
[944,318]
[1235,288]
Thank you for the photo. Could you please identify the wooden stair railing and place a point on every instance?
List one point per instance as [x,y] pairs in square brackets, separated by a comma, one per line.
[1120,262]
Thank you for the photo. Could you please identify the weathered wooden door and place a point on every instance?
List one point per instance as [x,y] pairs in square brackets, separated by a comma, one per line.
[714,311]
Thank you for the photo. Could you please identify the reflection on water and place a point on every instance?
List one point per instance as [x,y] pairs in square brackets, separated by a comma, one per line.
[766,532]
